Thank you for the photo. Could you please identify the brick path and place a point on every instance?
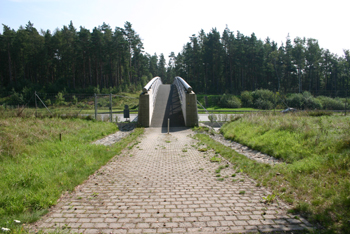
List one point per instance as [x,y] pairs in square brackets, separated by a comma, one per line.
[165,185]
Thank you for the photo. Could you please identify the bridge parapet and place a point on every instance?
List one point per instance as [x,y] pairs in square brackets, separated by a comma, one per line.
[147,101]
[188,101]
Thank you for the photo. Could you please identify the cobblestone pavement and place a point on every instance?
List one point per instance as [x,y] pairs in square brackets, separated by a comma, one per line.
[165,185]
[125,130]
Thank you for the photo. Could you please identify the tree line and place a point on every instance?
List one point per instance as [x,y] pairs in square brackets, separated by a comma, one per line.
[75,60]
[82,60]
[233,63]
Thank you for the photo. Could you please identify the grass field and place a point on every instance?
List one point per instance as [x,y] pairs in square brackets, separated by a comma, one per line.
[315,179]
[36,167]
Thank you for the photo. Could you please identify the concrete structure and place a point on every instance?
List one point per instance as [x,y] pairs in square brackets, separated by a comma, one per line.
[176,102]
[188,101]
[147,101]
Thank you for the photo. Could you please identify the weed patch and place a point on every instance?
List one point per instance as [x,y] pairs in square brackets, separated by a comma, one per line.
[215,159]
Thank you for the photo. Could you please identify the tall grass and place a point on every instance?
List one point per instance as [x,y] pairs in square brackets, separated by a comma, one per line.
[36,167]
[316,176]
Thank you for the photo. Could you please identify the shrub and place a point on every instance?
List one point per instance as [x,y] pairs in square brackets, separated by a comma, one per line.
[75,100]
[81,105]
[330,103]
[212,117]
[296,100]
[247,99]
[263,94]
[60,99]
[320,113]
[15,98]
[304,101]
[263,104]
[263,99]
[48,102]
[310,102]
[213,100]
[105,90]
[125,88]
[229,101]
[97,89]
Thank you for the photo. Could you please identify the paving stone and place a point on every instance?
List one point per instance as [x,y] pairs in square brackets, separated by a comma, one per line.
[162,189]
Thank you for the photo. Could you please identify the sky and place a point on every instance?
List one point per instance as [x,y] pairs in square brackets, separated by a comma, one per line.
[166,26]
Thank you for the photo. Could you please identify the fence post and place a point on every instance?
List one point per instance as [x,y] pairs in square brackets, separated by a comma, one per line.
[346,100]
[274,111]
[110,108]
[36,105]
[95,106]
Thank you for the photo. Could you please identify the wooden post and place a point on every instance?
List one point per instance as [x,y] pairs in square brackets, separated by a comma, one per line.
[346,100]
[95,106]
[274,111]
[110,108]
[36,105]
[168,125]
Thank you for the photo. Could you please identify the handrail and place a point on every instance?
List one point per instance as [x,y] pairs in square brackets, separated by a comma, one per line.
[187,87]
[154,85]
[149,84]
[180,90]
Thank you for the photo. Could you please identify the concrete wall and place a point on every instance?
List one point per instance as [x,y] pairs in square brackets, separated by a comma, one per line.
[145,108]
[189,109]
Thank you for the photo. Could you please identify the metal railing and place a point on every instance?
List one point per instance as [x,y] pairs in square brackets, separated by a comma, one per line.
[182,86]
[154,85]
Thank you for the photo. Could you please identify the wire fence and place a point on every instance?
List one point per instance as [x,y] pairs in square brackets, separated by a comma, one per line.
[103,107]
[110,107]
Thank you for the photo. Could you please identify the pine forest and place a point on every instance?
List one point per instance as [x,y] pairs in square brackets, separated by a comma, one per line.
[79,60]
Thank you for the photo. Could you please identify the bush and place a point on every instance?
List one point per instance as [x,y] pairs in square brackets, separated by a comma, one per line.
[48,102]
[125,88]
[304,101]
[75,100]
[320,113]
[263,99]
[96,89]
[330,103]
[296,100]
[212,117]
[263,104]
[309,102]
[229,101]
[15,98]
[247,99]
[81,105]
[60,99]
[263,94]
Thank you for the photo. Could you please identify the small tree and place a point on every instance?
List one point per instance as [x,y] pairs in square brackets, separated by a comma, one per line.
[75,100]
[60,99]
[212,117]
